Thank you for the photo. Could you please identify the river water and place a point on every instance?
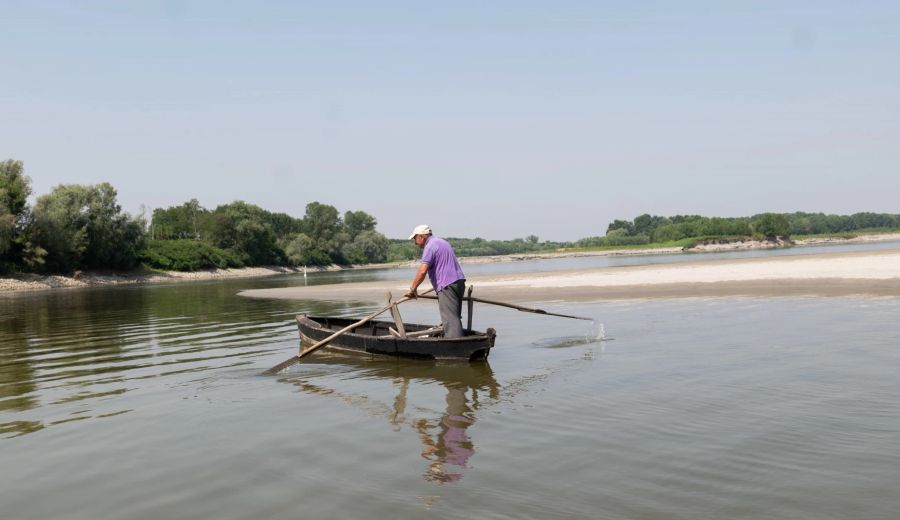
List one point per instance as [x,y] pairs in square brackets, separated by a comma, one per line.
[147,403]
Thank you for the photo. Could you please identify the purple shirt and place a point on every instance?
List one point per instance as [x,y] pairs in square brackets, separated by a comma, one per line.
[443,268]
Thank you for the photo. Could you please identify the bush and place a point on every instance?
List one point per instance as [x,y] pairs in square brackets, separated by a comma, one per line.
[187,255]
[615,238]
[772,225]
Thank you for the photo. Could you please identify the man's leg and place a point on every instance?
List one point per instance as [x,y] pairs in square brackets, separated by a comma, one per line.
[450,306]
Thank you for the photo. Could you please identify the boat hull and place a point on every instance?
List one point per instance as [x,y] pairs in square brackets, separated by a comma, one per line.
[374,338]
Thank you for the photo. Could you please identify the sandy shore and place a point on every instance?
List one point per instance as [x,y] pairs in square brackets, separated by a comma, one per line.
[832,274]
[29,282]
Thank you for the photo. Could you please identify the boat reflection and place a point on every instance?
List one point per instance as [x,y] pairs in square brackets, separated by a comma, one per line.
[447,445]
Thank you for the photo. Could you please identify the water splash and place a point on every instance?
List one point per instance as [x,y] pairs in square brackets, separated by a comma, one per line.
[598,332]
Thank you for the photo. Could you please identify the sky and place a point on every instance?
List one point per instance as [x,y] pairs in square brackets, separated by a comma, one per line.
[482,119]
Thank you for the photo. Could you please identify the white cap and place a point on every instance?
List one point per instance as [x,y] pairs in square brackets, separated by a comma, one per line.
[421,229]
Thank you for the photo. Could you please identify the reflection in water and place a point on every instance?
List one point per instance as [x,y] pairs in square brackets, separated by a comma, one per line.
[678,417]
[73,355]
[446,443]
[20,427]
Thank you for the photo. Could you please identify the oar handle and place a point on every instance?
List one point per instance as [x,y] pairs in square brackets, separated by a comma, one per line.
[516,307]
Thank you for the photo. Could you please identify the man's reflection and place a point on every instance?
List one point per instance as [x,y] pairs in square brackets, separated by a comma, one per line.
[447,445]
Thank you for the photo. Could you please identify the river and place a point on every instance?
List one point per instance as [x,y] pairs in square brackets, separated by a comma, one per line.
[146,402]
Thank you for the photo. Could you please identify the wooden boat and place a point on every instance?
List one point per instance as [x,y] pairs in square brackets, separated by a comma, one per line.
[380,338]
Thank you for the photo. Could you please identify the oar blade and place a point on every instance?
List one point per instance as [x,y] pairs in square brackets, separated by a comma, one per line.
[281,366]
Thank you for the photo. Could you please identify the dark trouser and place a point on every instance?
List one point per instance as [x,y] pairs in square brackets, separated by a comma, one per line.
[450,300]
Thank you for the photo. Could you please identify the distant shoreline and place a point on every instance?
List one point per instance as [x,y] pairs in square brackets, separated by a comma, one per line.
[36,282]
[860,273]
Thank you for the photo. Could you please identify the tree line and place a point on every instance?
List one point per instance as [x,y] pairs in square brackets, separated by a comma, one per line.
[242,234]
[83,227]
[73,227]
[655,229]
[77,227]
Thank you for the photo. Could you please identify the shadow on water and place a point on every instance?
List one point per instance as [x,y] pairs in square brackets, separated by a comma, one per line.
[446,444]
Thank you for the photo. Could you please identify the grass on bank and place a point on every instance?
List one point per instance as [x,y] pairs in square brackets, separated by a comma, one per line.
[688,243]
[684,242]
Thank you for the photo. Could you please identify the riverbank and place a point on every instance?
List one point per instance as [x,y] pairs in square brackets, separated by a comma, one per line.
[870,273]
[714,246]
[30,282]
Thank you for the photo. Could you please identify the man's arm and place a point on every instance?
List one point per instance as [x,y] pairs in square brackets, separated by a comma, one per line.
[417,280]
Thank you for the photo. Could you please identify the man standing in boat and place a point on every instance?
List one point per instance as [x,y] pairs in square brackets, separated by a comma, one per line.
[446,276]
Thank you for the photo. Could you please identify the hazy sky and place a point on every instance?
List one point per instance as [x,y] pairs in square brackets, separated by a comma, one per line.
[491,119]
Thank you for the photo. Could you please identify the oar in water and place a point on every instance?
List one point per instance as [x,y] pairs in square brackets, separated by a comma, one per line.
[309,350]
[516,307]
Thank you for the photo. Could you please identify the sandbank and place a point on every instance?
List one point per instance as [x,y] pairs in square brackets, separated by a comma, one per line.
[33,282]
[30,282]
[870,273]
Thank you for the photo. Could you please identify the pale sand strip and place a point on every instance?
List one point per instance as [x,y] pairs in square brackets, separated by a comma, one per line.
[832,274]
[855,266]
[30,282]
[34,282]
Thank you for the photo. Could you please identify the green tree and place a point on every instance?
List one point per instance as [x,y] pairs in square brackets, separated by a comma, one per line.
[872,220]
[668,233]
[84,227]
[772,225]
[644,224]
[321,222]
[7,239]
[244,229]
[402,250]
[302,250]
[625,225]
[284,225]
[647,224]
[178,222]
[15,188]
[358,221]
[368,247]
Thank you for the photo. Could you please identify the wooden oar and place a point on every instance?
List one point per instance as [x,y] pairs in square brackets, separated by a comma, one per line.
[309,350]
[511,306]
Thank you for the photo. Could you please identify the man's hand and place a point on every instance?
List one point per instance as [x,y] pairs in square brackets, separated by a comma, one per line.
[414,285]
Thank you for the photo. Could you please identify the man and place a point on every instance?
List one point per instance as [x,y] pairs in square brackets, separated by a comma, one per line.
[446,276]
